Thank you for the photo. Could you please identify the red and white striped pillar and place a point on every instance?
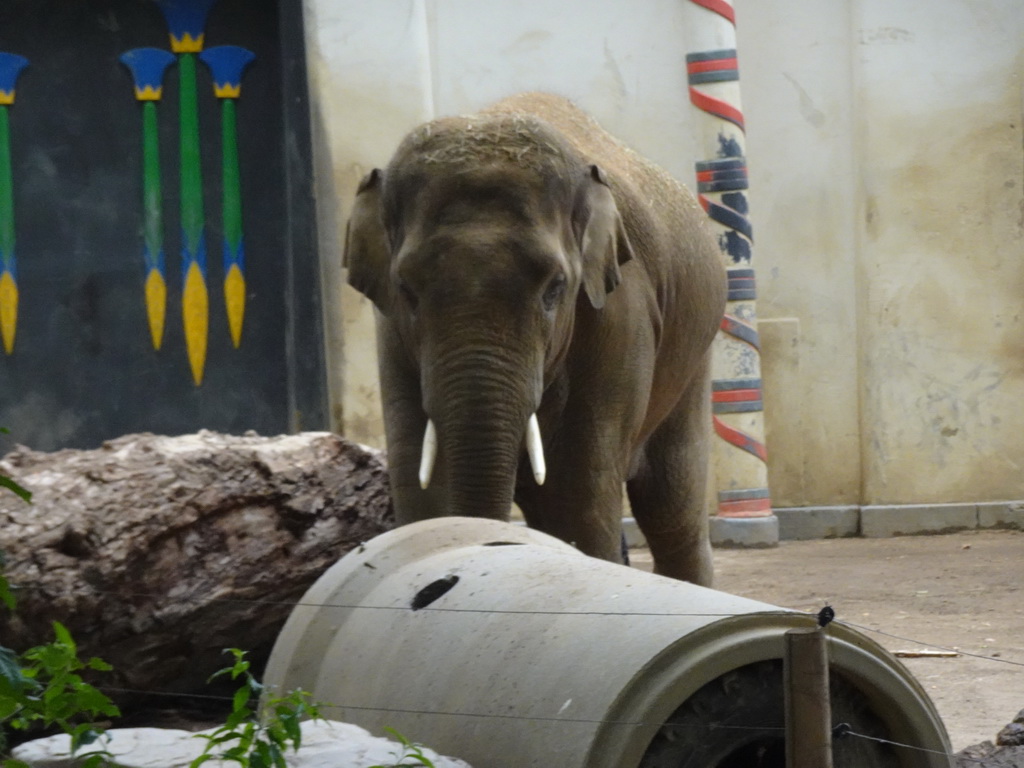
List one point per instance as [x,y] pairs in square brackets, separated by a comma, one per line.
[744,514]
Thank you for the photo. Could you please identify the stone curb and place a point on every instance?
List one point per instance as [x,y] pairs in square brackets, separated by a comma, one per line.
[870,521]
[745,532]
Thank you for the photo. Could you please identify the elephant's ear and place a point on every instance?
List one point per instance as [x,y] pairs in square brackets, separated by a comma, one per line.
[367,253]
[604,244]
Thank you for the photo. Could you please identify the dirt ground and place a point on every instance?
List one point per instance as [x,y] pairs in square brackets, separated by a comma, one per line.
[963,591]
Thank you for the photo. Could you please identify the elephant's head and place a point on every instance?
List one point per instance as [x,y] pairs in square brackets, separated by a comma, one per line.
[474,244]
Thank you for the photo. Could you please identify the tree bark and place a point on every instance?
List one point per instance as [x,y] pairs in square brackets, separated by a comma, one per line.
[159,552]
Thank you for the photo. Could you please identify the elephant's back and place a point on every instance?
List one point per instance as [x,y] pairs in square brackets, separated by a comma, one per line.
[643,184]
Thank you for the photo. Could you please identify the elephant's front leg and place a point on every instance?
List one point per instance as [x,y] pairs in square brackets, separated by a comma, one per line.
[667,493]
[581,500]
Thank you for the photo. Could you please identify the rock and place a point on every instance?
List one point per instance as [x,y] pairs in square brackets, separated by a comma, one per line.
[146,747]
[988,755]
[1007,752]
[159,552]
[1011,736]
[330,744]
[325,744]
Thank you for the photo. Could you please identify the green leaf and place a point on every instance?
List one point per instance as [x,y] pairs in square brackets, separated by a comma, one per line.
[99,665]
[262,757]
[8,483]
[54,657]
[11,677]
[240,666]
[6,596]
[240,699]
[8,706]
[83,735]
[235,753]
[273,734]
[278,757]
[218,673]
[93,701]
[237,717]
[223,738]
[64,637]
[290,723]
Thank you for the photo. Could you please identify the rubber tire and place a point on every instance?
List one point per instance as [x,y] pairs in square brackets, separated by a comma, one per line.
[738,720]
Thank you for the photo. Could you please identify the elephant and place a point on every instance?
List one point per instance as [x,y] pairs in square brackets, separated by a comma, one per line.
[545,301]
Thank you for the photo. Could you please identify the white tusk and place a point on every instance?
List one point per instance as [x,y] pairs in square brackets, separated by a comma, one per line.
[428,455]
[535,450]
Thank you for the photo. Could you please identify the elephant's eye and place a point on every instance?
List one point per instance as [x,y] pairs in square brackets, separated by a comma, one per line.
[554,292]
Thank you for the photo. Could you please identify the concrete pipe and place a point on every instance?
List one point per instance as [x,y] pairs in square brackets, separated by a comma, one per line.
[507,647]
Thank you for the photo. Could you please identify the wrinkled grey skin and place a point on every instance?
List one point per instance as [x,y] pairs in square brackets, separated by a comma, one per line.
[522,261]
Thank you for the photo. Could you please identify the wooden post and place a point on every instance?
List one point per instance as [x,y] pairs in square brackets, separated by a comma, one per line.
[808,706]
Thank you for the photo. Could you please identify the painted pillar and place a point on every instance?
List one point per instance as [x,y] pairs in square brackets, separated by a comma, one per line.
[744,513]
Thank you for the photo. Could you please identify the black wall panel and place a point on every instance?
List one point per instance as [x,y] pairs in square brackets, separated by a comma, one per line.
[83,367]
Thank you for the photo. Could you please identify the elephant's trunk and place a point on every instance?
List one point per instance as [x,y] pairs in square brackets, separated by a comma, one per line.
[481,481]
[534,450]
[481,408]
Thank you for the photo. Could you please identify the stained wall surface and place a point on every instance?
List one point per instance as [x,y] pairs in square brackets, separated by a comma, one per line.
[887,172]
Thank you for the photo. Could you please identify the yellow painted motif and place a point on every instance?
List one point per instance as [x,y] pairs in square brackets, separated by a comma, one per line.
[6,97]
[156,306]
[186,43]
[8,310]
[227,90]
[148,93]
[234,298]
[195,310]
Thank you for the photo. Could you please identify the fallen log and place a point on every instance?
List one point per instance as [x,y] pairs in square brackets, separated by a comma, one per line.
[159,552]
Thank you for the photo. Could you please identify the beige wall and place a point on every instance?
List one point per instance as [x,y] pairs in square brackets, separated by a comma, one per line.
[795,74]
[370,81]
[887,172]
[941,234]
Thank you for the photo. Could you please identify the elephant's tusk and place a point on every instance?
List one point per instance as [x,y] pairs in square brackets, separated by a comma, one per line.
[535,450]
[428,455]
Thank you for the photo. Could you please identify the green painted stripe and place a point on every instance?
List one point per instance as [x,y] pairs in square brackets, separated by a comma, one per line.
[232,180]
[6,191]
[152,199]
[191,171]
